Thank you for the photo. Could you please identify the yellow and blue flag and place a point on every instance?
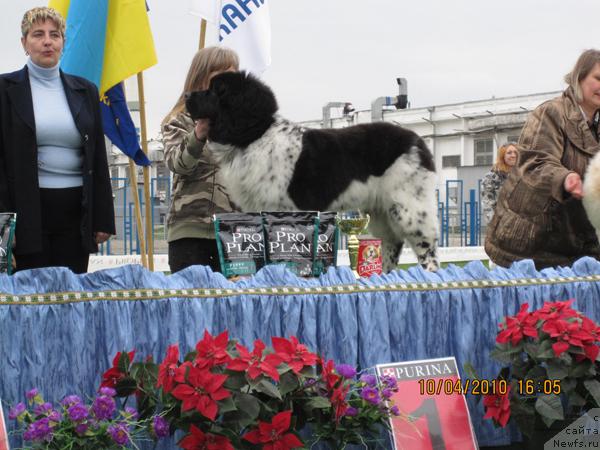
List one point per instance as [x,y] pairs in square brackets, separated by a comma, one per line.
[106,42]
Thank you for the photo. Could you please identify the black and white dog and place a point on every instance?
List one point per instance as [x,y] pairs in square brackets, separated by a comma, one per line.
[270,163]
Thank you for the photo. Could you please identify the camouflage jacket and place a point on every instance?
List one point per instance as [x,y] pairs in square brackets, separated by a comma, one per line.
[197,191]
[535,217]
[490,187]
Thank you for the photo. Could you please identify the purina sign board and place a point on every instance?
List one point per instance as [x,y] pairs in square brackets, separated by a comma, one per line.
[434,413]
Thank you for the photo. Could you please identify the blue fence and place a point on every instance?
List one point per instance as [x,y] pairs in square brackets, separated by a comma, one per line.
[459,213]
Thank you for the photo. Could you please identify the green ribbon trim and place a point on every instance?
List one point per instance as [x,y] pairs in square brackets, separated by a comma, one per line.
[158,294]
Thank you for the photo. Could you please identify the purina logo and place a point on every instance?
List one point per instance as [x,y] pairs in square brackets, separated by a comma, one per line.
[388,371]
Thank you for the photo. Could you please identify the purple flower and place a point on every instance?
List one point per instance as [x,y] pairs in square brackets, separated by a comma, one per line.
[370,380]
[110,392]
[103,407]
[31,394]
[119,433]
[54,416]
[371,395]
[70,400]
[387,393]
[390,382]
[395,411]
[81,428]
[77,412]
[42,409]
[346,370]
[160,427]
[39,430]
[351,411]
[16,411]
[131,412]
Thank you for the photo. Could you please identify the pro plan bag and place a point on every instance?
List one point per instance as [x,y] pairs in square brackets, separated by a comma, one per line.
[240,242]
[7,233]
[327,243]
[291,239]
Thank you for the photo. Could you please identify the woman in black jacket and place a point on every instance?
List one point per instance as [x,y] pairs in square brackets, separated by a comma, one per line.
[53,166]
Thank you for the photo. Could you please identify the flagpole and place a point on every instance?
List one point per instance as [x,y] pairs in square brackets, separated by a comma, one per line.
[149,234]
[202,34]
[138,211]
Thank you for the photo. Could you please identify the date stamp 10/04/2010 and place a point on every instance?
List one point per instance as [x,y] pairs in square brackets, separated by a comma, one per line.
[452,386]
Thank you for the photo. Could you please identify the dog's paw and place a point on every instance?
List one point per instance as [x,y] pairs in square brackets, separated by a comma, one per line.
[431,265]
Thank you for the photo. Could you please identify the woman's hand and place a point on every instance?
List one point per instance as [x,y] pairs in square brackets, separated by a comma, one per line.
[201,129]
[573,185]
[100,237]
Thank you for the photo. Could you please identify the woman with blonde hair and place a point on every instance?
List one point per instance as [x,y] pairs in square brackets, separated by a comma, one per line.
[495,178]
[539,214]
[197,189]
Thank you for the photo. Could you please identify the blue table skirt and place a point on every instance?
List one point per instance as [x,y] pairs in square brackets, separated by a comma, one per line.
[60,331]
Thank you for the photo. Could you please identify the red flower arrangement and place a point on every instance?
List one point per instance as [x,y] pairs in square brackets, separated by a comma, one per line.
[552,372]
[225,396]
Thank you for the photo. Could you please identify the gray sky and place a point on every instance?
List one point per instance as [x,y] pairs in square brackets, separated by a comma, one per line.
[349,50]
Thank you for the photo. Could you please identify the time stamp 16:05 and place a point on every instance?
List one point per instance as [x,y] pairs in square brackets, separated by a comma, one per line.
[450,386]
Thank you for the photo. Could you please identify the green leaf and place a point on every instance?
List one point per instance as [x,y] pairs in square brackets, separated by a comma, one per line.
[568,385]
[581,369]
[226,405]
[593,387]
[235,381]
[550,407]
[469,371]
[126,386]
[249,404]
[575,399]
[556,370]
[318,403]
[288,382]
[123,364]
[268,388]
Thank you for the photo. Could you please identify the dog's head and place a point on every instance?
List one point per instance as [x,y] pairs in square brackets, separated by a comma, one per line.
[238,105]
[370,252]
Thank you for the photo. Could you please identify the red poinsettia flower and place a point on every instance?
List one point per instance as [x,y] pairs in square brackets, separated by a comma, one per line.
[338,401]
[198,440]
[497,407]
[112,376]
[254,364]
[212,350]
[556,310]
[201,392]
[565,334]
[590,348]
[523,324]
[294,354]
[328,373]
[168,369]
[273,435]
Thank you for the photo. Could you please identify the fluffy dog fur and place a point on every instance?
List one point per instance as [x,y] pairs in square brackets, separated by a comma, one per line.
[591,192]
[270,163]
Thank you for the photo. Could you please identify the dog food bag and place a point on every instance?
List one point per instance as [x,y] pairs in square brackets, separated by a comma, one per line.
[291,239]
[7,232]
[240,242]
[370,258]
[327,243]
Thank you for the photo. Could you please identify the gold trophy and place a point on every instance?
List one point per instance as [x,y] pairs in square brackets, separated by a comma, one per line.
[353,223]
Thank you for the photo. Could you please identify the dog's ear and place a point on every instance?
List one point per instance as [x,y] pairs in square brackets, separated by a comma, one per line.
[201,104]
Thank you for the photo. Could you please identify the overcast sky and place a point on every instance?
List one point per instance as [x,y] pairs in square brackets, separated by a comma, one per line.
[349,50]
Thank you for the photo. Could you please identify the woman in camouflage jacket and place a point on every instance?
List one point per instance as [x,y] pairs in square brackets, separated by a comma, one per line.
[197,190]
[539,214]
[495,178]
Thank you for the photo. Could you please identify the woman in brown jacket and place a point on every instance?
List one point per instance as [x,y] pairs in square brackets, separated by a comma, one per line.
[539,214]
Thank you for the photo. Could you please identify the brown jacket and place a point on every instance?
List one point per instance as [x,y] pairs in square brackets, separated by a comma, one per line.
[197,189]
[535,217]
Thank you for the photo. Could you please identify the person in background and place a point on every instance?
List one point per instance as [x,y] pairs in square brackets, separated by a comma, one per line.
[539,214]
[197,189]
[53,165]
[495,178]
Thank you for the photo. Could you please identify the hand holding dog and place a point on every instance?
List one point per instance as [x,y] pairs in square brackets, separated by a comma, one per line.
[573,185]
[201,129]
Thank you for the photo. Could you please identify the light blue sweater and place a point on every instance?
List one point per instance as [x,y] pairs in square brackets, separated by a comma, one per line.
[60,146]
